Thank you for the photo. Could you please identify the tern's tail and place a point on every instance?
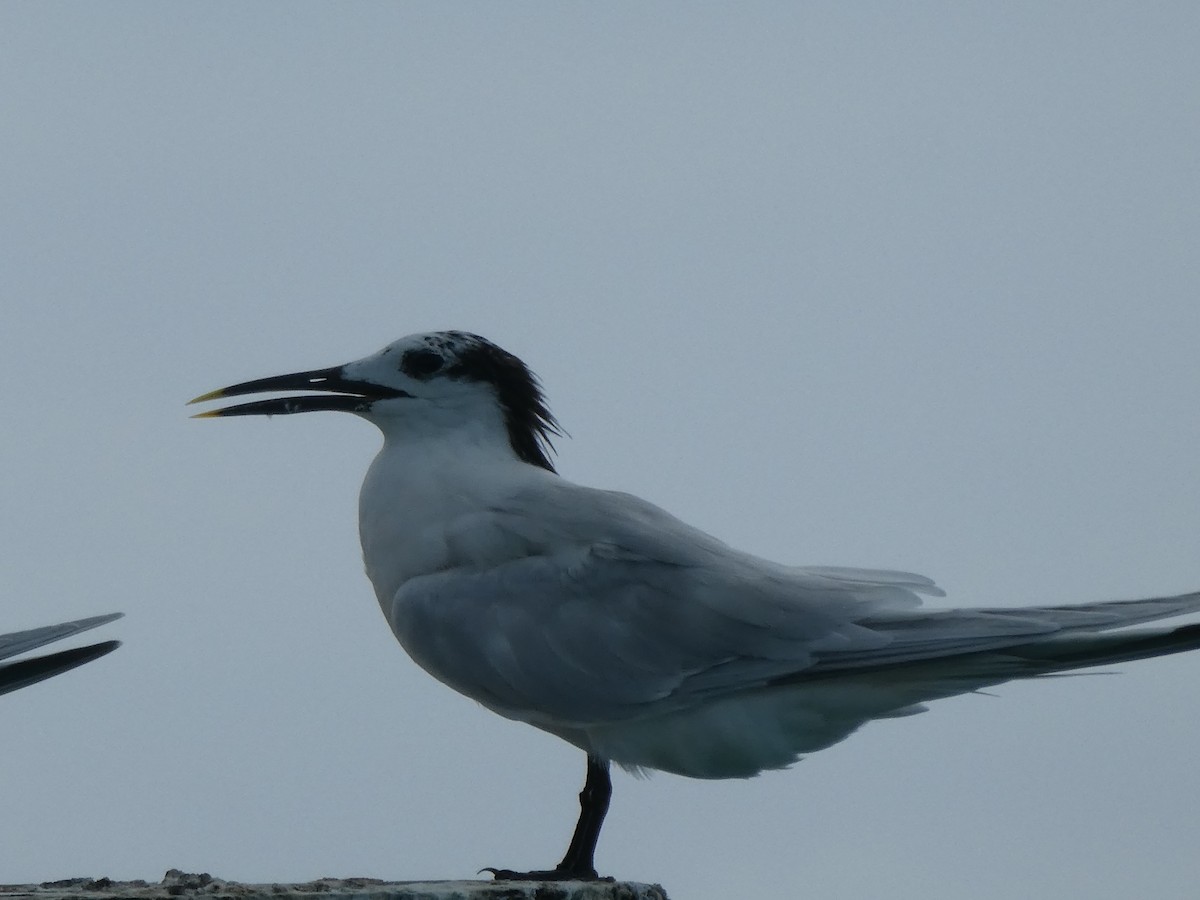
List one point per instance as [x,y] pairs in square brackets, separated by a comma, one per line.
[932,655]
[1022,642]
[1082,651]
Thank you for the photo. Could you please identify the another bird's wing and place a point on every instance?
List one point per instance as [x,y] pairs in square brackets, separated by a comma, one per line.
[23,641]
[19,674]
[25,672]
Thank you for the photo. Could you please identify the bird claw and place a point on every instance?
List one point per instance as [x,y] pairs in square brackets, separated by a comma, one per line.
[544,875]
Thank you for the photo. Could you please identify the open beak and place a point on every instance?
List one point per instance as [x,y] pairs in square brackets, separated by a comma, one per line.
[339,393]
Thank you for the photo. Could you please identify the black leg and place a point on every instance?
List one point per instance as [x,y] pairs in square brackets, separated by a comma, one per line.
[577,864]
[593,805]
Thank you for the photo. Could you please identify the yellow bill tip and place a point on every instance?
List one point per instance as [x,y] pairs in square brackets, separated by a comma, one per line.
[211,395]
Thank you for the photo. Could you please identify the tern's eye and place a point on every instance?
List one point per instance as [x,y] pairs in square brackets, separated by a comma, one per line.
[420,363]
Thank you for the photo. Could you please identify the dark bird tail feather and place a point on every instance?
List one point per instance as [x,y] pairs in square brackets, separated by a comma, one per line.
[1080,652]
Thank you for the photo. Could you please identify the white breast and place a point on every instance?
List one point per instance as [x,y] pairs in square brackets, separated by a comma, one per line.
[426,509]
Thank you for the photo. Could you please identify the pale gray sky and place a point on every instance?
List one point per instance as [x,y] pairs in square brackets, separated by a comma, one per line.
[907,286]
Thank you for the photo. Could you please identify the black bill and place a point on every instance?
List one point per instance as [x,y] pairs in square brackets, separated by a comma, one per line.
[340,394]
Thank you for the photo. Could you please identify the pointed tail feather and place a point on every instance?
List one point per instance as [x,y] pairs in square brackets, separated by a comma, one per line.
[770,727]
[940,674]
[740,734]
[1079,652]
[926,635]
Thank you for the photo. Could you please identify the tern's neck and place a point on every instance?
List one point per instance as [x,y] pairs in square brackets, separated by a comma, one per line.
[426,506]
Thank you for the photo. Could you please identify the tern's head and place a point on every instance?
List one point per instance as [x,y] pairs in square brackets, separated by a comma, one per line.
[442,381]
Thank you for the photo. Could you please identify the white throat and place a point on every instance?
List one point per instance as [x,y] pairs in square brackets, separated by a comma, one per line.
[427,504]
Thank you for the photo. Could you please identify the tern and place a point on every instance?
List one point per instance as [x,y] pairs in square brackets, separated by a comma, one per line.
[602,619]
[25,672]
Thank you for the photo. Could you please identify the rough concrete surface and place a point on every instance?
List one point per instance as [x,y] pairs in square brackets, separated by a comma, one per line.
[184,884]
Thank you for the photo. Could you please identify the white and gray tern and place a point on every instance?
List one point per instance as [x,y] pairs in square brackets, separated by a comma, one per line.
[600,618]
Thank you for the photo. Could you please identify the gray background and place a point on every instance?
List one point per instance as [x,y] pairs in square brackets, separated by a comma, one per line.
[905,285]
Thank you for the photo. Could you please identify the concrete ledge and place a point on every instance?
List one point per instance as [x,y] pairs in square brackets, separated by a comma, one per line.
[183,884]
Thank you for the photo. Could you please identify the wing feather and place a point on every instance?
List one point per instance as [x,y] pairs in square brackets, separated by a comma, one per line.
[615,611]
[21,641]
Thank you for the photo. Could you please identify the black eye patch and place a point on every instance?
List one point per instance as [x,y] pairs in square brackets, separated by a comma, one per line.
[420,363]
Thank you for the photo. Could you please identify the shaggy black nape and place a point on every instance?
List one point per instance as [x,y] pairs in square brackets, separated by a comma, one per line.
[529,420]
